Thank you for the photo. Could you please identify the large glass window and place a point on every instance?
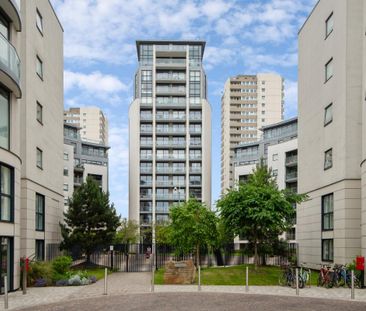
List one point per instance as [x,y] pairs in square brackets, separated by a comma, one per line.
[328,114]
[6,193]
[327,250]
[40,212]
[328,159]
[329,25]
[146,52]
[6,262]
[4,119]
[327,212]
[194,83]
[4,27]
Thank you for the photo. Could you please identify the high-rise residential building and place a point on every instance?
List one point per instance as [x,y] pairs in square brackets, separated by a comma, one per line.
[31,133]
[249,102]
[170,130]
[331,224]
[82,159]
[92,122]
[278,149]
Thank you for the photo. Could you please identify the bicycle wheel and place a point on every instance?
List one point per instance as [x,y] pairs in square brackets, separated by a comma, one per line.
[320,281]
[301,282]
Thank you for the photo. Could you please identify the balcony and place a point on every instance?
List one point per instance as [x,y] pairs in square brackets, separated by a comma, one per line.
[195,184]
[169,183]
[145,183]
[195,157]
[171,144]
[145,130]
[170,63]
[146,144]
[195,130]
[78,181]
[291,160]
[145,221]
[144,209]
[170,170]
[145,157]
[145,170]
[170,130]
[9,66]
[195,170]
[170,48]
[291,176]
[174,77]
[11,8]
[170,90]
[167,102]
[146,117]
[79,168]
[171,117]
[162,210]
[194,144]
[170,157]
[146,196]
[170,197]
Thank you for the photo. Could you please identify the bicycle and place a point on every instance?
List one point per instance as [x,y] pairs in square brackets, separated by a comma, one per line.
[326,276]
[305,274]
[288,278]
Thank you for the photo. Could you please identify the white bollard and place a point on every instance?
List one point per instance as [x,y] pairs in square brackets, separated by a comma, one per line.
[352,285]
[199,278]
[152,287]
[6,298]
[105,281]
[247,279]
[297,282]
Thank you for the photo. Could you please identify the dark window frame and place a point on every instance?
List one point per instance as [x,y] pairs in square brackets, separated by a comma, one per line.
[41,153]
[40,214]
[36,248]
[41,109]
[323,214]
[327,34]
[325,115]
[6,93]
[322,249]
[325,70]
[325,156]
[41,74]
[38,13]
[11,196]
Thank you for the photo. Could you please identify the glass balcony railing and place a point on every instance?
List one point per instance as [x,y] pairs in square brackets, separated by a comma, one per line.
[169,183]
[171,61]
[146,170]
[145,183]
[292,160]
[145,209]
[146,196]
[171,76]
[195,157]
[171,117]
[170,130]
[78,180]
[171,143]
[170,197]
[146,117]
[170,170]
[10,64]
[195,143]
[162,210]
[170,89]
[291,175]
[147,130]
[195,130]
[171,157]
[145,157]
[169,47]
[195,170]
[171,101]
[146,143]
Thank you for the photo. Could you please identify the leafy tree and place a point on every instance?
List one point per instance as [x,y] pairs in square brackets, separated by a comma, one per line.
[192,226]
[257,209]
[90,221]
[127,234]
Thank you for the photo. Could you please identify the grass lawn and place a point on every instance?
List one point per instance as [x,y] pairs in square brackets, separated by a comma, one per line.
[235,275]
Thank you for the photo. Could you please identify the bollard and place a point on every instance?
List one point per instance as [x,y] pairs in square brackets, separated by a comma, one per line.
[6,298]
[24,281]
[247,279]
[297,282]
[352,284]
[310,278]
[152,288]
[199,278]
[105,281]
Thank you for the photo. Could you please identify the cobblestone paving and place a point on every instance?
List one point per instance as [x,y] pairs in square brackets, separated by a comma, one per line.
[125,284]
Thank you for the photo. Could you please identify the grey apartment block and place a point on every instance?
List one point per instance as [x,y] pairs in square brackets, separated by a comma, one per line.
[332,110]
[170,130]
[278,149]
[83,159]
[31,143]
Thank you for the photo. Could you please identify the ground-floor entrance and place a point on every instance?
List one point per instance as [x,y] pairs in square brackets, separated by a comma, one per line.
[6,262]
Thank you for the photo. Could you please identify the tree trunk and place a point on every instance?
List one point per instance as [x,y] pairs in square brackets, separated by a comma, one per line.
[255,256]
[88,259]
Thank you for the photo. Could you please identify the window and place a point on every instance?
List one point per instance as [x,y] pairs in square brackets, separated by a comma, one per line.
[329,25]
[327,212]
[328,159]
[39,158]
[40,211]
[6,193]
[4,119]
[66,156]
[66,171]
[328,114]
[275,173]
[39,22]
[39,113]
[66,187]
[275,157]
[327,250]
[329,70]
[39,67]
[39,252]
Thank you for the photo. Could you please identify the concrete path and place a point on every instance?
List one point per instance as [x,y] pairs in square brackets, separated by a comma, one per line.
[202,301]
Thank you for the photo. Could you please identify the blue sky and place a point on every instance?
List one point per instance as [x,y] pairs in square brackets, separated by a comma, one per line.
[242,37]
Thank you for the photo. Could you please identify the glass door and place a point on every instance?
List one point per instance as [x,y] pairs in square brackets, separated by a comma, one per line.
[6,262]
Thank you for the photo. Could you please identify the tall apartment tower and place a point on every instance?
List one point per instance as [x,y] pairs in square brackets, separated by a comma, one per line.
[249,102]
[170,130]
[31,133]
[91,120]
[331,225]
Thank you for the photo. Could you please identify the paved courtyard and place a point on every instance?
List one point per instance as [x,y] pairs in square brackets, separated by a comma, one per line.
[132,290]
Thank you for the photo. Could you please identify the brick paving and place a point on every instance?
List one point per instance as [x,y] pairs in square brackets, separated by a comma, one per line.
[127,284]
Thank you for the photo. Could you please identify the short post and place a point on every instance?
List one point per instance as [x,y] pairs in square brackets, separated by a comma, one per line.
[352,285]
[152,288]
[247,279]
[199,278]
[6,298]
[297,282]
[24,285]
[309,278]
[105,281]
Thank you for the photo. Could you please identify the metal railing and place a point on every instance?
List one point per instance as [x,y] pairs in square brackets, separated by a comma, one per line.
[170,170]
[170,183]
[167,117]
[291,175]
[170,197]
[171,89]
[171,76]
[170,157]
[171,61]
[170,130]
[145,157]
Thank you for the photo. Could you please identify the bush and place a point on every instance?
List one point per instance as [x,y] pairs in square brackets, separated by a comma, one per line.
[75,280]
[93,279]
[40,283]
[61,264]
[85,281]
[62,283]
[39,270]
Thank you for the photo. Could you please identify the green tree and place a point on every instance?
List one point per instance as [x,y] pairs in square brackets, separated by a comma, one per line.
[90,221]
[127,234]
[192,226]
[257,209]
